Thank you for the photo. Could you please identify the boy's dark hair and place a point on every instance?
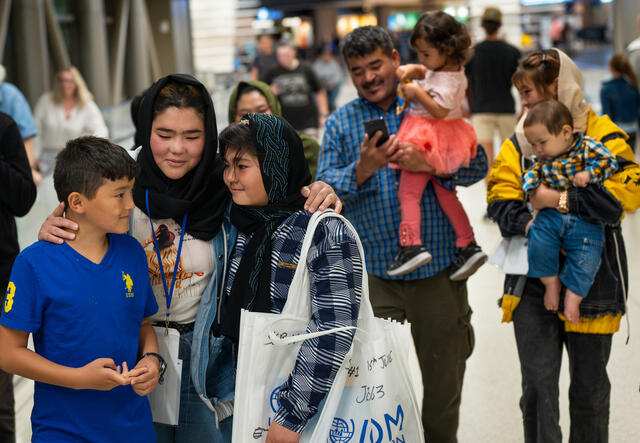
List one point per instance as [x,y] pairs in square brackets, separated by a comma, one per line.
[86,162]
[444,33]
[552,114]
[237,135]
[365,40]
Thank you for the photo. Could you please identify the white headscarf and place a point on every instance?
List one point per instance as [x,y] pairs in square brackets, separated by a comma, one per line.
[569,94]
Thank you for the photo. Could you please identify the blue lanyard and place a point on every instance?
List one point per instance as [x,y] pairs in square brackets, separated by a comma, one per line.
[167,293]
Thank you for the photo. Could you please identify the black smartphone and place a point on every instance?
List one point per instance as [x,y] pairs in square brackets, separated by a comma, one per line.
[374,125]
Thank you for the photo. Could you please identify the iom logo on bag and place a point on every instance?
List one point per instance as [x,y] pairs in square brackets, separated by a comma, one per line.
[340,431]
[274,400]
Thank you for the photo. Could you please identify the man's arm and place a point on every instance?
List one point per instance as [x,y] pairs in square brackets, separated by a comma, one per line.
[101,374]
[476,171]
[18,189]
[29,146]
[253,74]
[323,106]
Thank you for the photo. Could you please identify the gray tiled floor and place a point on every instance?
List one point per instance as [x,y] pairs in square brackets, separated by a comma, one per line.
[490,411]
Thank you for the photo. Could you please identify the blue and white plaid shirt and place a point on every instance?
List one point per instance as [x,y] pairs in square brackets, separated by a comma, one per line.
[586,154]
[373,208]
[335,268]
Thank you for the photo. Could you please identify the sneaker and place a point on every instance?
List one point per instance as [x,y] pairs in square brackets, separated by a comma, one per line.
[408,259]
[467,262]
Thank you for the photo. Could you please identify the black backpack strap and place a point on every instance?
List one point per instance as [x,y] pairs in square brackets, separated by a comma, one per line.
[524,162]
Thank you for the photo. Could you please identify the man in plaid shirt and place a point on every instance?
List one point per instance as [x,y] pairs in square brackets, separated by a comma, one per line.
[563,160]
[350,162]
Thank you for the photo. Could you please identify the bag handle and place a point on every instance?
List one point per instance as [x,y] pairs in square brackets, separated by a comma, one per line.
[298,303]
[281,341]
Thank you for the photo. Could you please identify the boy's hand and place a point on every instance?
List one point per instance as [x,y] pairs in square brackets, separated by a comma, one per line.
[410,72]
[144,377]
[582,179]
[101,374]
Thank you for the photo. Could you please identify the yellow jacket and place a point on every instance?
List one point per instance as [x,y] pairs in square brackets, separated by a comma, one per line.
[507,204]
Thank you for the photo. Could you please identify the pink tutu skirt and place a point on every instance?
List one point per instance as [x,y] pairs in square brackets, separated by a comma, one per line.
[447,144]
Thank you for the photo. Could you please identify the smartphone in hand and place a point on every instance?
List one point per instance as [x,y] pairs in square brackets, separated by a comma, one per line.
[374,125]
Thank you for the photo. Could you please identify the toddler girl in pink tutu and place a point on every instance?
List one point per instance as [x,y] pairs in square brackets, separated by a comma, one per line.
[434,124]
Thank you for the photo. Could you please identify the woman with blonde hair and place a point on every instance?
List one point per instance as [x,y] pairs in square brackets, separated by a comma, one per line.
[66,112]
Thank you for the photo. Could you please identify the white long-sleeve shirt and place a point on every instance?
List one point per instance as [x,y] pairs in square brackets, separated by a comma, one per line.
[54,129]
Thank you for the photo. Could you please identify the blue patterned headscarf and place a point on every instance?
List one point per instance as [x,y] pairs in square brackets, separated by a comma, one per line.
[284,172]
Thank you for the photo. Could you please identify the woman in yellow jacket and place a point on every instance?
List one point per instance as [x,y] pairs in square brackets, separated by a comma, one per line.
[541,334]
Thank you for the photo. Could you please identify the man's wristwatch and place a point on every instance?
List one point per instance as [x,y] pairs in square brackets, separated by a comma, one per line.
[563,202]
[163,364]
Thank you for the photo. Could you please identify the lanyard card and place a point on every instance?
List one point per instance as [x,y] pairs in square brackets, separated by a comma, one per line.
[165,398]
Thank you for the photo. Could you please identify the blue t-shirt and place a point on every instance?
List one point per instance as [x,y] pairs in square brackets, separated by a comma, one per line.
[79,311]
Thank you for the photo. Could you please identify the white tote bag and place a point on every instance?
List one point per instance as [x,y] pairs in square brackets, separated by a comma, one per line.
[374,397]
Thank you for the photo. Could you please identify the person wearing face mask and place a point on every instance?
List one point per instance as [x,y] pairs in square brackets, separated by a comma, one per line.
[541,334]
[181,219]
[257,97]
[65,113]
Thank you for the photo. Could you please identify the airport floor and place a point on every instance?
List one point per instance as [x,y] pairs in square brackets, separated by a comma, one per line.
[490,411]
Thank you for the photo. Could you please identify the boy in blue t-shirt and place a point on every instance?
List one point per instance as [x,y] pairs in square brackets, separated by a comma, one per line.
[86,302]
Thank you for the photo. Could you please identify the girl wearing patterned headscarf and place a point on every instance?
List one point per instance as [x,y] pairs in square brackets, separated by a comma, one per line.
[265,167]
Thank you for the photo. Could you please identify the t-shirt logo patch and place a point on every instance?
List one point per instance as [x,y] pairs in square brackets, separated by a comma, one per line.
[8,301]
[128,284]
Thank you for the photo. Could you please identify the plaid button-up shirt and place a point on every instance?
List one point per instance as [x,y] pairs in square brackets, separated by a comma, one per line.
[586,154]
[373,208]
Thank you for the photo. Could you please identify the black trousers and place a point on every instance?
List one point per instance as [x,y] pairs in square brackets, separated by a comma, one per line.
[540,338]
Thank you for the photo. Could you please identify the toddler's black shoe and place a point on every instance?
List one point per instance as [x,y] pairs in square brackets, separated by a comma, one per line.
[408,259]
[467,262]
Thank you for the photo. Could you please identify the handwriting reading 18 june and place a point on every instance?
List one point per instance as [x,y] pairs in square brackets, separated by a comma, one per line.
[382,362]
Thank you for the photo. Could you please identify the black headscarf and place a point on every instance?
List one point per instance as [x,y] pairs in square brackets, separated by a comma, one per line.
[284,171]
[201,193]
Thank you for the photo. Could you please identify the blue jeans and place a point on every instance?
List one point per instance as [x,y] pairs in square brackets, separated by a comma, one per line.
[540,337]
[196,422]
[581,240]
